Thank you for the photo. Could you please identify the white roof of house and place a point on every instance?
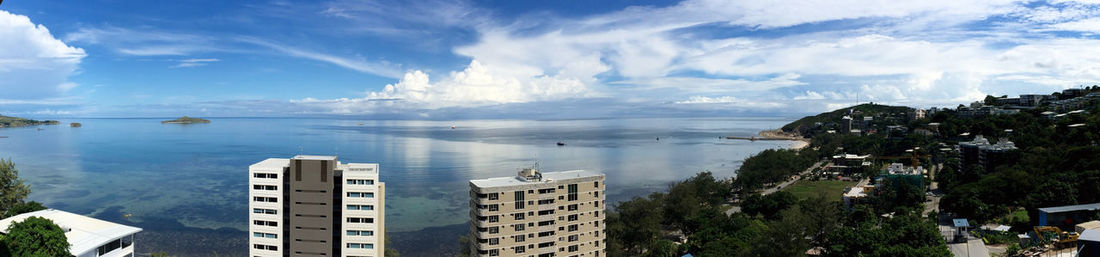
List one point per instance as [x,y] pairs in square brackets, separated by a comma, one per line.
[84,233]
[546,178]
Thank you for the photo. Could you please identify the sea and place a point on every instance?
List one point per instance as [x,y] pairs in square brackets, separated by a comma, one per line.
[186,185]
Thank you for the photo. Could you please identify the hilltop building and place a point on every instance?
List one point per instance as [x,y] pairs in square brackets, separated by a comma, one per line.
[538,214]
[315,206]
[87,237]
[985,154]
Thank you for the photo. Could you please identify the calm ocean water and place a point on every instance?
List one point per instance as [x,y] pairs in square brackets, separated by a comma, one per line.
[173,177]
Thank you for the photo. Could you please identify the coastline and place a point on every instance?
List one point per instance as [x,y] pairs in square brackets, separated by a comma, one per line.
[799,144]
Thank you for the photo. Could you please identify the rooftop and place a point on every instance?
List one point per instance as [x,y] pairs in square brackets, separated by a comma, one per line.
[85,233]
[315,157]
[1069,208]
[960,223]
[1090,235]
[546,178]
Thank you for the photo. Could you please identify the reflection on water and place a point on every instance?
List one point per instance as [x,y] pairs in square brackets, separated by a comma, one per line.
[197,174]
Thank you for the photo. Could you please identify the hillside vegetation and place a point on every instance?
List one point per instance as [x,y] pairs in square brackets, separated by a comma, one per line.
[9,122]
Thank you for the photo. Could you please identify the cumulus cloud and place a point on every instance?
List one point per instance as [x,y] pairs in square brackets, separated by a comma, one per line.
[477,85]
[33,64]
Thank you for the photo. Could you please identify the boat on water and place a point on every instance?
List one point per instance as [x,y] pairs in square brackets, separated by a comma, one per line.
[453,127]
[561,143]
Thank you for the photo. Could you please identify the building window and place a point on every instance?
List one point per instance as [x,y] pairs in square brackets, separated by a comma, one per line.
[494,230]
[572,190]
[520,227]
[573,227]
[521,238]
[360,246]
[360,220]
[263,211]
[265,175]
[494,252]
[572,207]
[361,194]
[493,196]
[265,223]
[494,218]
[573,248]
[520,216]
[494,241]
[520,249]
[264,235]
[263,187]
[360,233]
[355,207]
[265,247]
[493,207]
[265,199]
[573,238]
[360,182]
[573,217]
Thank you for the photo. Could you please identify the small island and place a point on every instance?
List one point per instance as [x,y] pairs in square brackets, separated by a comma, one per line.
[185,120]
[12,122]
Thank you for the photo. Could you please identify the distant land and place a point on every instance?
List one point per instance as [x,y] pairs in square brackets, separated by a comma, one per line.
[11,122]
[186,120]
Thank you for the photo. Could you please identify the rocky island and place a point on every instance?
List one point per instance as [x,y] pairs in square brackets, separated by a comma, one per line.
[185,120]
[11,122]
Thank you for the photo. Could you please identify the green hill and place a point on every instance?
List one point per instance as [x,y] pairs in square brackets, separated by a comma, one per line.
[11,122]
[803,125]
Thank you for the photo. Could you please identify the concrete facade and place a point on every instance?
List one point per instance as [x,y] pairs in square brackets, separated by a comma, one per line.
[538,214]
[315,206]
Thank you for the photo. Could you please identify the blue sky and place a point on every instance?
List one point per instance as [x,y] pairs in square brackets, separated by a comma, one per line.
[531,59]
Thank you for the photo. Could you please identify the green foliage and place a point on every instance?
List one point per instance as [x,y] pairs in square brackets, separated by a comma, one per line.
[159,254]
[773,165]
[21,208]
[906,234]
[768,206]
[804,126]
[12,189]
[37,237]
[8,122]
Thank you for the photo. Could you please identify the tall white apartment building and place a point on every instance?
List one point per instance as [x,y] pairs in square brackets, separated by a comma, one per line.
[88,237]
[553,214]
[315,206]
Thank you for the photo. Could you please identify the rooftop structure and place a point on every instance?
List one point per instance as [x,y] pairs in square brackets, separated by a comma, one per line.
[985,154]
[1067,216]
[901,169]
[87,236]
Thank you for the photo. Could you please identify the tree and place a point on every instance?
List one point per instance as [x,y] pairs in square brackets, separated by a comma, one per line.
[159,254]
[22,208]
[37,237]
[12,189]
[464,246]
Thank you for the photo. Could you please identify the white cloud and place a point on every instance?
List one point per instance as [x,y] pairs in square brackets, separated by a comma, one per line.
[378,68]
[1086,25]
[33,64]
[195,62]
[477,85]
[144,42]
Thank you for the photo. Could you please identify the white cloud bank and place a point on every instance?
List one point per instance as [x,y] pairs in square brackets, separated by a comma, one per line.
[34,66]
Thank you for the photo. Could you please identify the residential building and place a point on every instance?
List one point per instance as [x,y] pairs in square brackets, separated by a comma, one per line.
[88,237]
[538,214]
[985,154]
[315,206]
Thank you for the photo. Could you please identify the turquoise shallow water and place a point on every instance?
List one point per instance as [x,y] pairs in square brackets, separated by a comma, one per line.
[197,174]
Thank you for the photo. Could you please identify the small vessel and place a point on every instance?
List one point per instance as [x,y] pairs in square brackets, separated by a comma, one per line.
[128,215]
[453,127]
[360,124]
[560,143]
